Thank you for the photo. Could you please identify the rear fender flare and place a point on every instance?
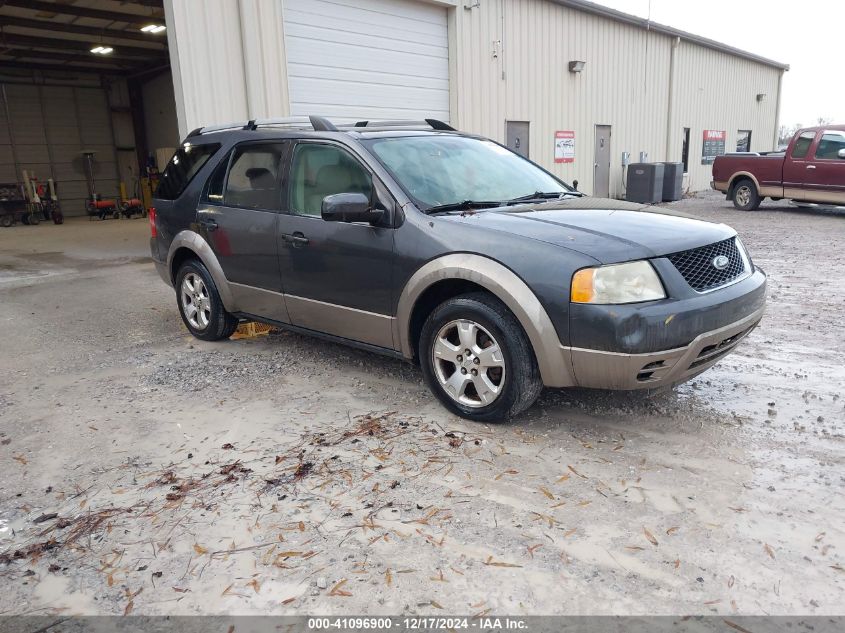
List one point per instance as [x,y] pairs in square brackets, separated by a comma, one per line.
[740,175]
[196,243]
[552,358]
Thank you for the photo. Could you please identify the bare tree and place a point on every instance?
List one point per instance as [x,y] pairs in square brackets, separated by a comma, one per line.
[786,132]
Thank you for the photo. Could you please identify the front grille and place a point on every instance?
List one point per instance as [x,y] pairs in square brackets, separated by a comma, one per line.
[698,269]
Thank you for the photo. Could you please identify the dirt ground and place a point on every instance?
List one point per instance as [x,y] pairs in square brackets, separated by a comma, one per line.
[146,472]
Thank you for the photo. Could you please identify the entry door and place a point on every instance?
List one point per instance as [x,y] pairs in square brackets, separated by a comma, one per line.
[601,166]
[516,137]
[337,275]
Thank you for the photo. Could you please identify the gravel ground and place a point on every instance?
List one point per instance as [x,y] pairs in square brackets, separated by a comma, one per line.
[147,472]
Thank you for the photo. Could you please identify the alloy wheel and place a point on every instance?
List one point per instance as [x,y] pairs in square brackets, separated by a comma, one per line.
[743,195]
[195,301]
[468,363]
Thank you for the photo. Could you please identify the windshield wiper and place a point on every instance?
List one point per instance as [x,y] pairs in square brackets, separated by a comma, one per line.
[463,206]
[544,195]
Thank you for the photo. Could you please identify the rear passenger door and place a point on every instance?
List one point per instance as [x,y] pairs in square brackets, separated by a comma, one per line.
[238,216]
[337,275]
[795,166]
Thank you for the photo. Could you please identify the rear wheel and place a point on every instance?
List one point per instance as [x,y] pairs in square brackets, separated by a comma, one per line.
[477,360]
[200,305]
[7,220]
[745,195]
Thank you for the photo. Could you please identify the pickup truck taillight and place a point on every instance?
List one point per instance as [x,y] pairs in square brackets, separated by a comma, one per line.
[151,213]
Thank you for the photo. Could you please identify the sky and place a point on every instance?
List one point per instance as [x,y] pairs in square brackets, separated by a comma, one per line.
[806,34]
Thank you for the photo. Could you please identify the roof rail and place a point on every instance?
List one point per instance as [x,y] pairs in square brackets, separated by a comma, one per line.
[432,123]
[317,123]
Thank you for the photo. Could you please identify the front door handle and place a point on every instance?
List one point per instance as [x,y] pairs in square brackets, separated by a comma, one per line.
[297,239]
[811,166]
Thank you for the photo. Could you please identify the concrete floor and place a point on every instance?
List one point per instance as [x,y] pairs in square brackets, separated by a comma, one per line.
[288,475]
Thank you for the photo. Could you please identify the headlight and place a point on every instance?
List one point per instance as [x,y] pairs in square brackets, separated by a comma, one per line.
[618,283]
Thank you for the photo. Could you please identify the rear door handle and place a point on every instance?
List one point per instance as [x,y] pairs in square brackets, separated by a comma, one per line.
[297,239]
[209,223]
[811,166]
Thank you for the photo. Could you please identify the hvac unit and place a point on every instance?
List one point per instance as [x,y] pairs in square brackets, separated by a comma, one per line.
[673,181]
[645,182]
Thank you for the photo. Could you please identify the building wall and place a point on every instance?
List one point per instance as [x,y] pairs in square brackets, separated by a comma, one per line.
[510,62]
[160,119]
[228,60]
[718,91]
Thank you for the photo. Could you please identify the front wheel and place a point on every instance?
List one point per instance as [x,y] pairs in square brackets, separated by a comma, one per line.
[477,360]
[200,305]
[745,196]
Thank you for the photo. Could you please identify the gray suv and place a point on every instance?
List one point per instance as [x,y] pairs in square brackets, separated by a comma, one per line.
[448,250]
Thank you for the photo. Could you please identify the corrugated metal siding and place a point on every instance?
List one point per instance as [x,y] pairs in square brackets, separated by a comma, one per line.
[227,59]
[516,68]
[717,91]
[367,59]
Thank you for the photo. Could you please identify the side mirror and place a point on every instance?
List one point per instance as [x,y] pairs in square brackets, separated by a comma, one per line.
[575,185]
[349,207]
[841,153]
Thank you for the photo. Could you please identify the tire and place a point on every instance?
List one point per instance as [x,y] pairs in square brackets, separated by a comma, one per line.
[34,219]
[194,286]
[6,220]
[745,196]
[511,378]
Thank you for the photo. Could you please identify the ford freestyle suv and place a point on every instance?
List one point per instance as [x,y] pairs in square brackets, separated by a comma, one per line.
[448,250]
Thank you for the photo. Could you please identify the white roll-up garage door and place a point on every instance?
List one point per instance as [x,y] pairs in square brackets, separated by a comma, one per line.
[367,59]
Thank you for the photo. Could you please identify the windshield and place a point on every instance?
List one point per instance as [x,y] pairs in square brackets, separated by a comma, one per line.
[441,170]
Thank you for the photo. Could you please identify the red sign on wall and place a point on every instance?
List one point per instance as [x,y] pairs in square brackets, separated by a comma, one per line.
[713,145]
[565,146]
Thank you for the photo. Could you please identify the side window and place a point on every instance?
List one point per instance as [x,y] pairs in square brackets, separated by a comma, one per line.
[214,188]
[253,180]
[802,145]
[181,169]
[323,170]
[830,145]
[743,140]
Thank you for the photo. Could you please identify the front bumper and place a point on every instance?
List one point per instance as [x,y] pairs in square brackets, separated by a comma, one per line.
[663,342]
[614,370]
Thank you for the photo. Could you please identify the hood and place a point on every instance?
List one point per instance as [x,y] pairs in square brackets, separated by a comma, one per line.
[608,230]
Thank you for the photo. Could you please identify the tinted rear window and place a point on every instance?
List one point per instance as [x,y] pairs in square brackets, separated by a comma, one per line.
[181,169]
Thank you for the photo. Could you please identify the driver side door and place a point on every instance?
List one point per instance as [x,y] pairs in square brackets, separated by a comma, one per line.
[337,275]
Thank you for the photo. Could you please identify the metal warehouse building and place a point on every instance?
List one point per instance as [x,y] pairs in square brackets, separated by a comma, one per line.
[525,72]
[570,84]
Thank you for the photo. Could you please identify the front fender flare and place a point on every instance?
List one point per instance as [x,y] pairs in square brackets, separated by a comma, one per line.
[194,242]
[552,358]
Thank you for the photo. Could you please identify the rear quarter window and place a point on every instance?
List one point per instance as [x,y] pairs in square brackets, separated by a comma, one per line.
[182,168]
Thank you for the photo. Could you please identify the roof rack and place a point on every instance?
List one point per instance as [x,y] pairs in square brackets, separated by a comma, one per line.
[434,124]
[316,123]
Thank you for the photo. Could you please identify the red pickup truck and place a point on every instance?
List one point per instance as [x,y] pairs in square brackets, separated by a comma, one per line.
[811,170]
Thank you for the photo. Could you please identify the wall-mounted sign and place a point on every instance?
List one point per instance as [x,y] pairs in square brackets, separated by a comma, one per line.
[713,145]
[565,146]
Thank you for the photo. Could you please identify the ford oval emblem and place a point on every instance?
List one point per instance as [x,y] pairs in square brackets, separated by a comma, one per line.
[720,262]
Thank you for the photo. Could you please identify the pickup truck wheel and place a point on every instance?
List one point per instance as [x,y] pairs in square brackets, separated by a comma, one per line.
[745,196]
[200,305]
[477,360]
